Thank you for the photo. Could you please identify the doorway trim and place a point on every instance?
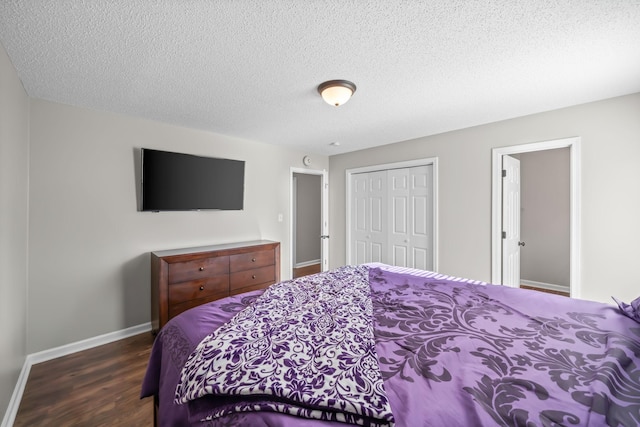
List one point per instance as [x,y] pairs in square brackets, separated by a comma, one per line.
[324,183]
[396,165]
[573,144]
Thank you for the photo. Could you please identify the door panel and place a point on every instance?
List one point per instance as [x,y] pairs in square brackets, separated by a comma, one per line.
[377,215]
[359,252]
[360,210]
[368,217]
[412,217]
[400,258]
[359,218]
[398,250]
[511,222]
[376,249]
[399,217]
[421,259]
[420,216]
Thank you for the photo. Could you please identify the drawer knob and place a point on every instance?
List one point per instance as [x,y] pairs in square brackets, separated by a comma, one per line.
[202,288]
[253,260]
[201,269]
[253,276]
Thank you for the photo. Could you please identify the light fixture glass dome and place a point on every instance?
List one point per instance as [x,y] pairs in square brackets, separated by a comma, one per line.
[336,92]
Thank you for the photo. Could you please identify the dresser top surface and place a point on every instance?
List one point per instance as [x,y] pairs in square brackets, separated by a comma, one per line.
[211,248]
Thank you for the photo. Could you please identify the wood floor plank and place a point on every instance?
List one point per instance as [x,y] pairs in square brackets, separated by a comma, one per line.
[305,271]
[548,291]
[95,387]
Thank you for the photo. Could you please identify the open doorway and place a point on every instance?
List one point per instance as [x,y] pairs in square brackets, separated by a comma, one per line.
[309,222]
[502,271]
[546,221]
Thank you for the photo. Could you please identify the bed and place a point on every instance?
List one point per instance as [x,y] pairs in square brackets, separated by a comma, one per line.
[378,345]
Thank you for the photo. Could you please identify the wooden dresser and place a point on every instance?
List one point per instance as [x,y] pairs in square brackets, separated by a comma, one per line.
[185,278]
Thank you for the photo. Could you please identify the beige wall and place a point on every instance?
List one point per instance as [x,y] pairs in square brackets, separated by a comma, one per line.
[14,179]
[610,132]
[88,244]
[545,217]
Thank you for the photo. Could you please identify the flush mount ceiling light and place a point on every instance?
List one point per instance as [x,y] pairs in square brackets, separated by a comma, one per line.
[336,92]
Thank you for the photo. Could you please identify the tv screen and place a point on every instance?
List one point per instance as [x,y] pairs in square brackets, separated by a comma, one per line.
[183,182]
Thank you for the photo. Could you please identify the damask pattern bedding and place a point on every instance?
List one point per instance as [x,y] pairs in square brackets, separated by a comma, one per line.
[305,345]
[450,352]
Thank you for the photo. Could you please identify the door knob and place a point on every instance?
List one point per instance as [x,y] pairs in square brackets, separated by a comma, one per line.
[520,243]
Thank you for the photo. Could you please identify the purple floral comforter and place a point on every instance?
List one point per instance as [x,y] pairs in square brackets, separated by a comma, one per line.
[304,347]
[450,352]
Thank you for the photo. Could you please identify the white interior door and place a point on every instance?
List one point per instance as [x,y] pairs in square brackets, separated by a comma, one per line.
[511,221]
[368,217]
[359,225]
[422,228]
[410,219]
[398,206]
[325,221]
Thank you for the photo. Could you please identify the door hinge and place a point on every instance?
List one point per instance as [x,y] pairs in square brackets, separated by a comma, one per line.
[504,173]
[504,234]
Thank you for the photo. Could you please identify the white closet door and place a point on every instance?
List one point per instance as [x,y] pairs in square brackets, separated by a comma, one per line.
[422,217]
[399,201]
[410,207]
[368,221]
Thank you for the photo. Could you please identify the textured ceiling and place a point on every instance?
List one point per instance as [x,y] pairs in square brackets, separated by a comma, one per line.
[250,68]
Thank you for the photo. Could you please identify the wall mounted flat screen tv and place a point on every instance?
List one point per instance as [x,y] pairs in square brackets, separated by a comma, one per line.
[184,182]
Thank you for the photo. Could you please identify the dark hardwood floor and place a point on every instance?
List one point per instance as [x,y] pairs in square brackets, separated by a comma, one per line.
[549,291]
[95,387]
[305,271]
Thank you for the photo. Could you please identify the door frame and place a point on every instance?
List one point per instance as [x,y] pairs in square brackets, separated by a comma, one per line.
[573,144]
[324,183]
[396,165]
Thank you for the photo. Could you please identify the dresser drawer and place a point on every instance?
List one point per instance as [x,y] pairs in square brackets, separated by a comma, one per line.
[252,277]
[198,269]
[250,288]
[178,308]
[251,260]
[184,291]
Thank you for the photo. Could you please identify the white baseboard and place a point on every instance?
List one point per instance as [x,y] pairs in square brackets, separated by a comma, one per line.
[54,353]
[307,263]
[16,397]
[549,286]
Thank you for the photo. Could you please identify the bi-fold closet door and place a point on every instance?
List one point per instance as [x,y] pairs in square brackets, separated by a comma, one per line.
[392,217]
